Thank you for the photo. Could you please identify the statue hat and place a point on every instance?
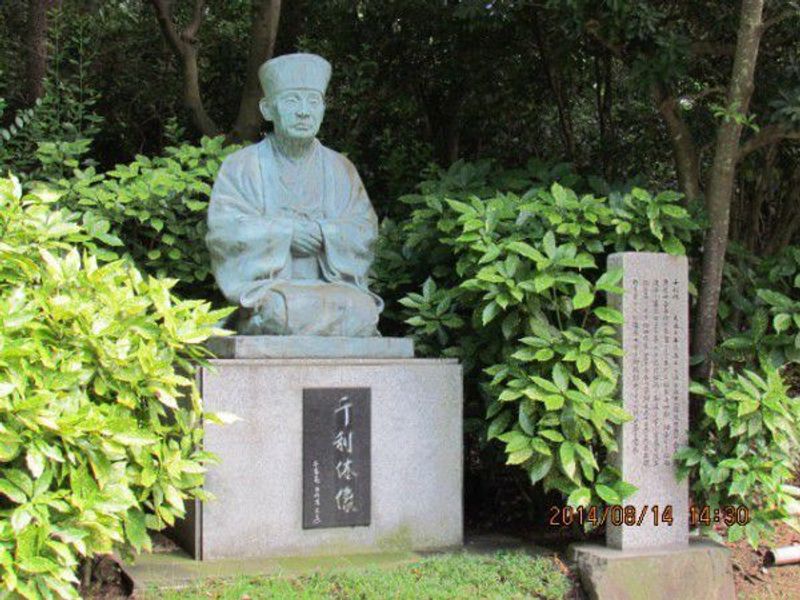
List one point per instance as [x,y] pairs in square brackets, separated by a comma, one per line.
[294,71]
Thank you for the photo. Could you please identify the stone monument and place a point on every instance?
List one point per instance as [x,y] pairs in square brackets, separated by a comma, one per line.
[655,391]
[648,554]
[347,443]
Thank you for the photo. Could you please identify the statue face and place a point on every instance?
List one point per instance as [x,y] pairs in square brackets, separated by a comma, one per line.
[297,114]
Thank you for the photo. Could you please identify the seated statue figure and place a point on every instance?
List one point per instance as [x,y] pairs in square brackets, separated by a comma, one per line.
[290,227]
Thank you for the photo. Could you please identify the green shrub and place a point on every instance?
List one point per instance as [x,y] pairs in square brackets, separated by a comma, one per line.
[53,137]
[516,290]
[95,448]
[743,450]
[157,207]
[759,315]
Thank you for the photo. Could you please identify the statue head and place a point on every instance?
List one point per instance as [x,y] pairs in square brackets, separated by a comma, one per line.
[294,94]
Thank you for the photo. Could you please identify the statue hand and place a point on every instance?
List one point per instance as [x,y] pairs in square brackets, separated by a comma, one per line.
[307,238]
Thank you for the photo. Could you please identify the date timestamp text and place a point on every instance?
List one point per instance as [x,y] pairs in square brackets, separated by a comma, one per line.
[636,516]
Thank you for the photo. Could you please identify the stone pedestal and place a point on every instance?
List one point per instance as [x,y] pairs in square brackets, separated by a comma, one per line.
[414,457]
[700,571]
[655,391]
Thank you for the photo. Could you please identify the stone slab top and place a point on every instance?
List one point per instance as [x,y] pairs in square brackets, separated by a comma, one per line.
[696,544]
[329,362]
[297,346]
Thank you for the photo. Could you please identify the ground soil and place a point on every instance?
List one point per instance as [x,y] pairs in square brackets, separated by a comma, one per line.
[755,581]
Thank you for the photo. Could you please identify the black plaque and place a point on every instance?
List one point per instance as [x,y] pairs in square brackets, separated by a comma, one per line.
[336,457]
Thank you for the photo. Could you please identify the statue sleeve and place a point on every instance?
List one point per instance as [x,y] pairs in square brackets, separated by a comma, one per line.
[247,247]
[349,236]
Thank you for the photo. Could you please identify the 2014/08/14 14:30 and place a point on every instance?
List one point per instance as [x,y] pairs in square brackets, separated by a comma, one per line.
[630,515]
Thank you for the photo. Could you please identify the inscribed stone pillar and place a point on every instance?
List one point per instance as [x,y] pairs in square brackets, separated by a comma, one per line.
[655,390]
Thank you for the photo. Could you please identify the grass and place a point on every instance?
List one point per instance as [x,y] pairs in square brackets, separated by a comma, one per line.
[505,575]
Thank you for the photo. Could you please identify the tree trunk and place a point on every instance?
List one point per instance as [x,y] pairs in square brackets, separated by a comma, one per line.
[557,87]
[263,33]
[192,96]
[720,187]
[684,150]
[752,218]
[604,105]
[443,124]
[36,67]
[185,46]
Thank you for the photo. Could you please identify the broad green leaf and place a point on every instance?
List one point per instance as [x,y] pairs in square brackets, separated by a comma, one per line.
[582,299]
[553,401]
[625,490]
[540,468]
[607,494]
[221,417]
[525,421]
[782,322]
[582,496]
[552,435]
[525,250]
[499,424]
[566,455]
[608,314]
[490,311]
[674,246]
[540,446]
[546,385]
[549,244]
[561,377]
[12,492]
[519,457]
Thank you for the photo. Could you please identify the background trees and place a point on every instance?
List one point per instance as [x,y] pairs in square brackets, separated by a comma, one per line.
[563,112]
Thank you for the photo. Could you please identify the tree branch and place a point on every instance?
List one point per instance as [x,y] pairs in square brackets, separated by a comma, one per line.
[163,10]
[184,45]
[190,33]
[684,149]
[766,136]
[263,34]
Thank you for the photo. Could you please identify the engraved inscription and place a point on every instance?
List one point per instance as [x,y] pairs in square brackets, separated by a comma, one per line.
[336,457]
[653,351]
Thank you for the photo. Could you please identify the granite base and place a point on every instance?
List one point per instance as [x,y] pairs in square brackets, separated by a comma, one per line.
[416,458]
[699,571]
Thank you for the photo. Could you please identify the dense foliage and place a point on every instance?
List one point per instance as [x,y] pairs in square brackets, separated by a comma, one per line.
[96,446]
[157,207]
[503,268]
[742,453]
[517,290]
[760,312]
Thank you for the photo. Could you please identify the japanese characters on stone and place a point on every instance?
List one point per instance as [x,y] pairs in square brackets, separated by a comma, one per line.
[336,457]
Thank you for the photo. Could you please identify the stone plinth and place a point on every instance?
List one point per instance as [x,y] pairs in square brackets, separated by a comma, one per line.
[699,571]
[307,346]
[415,459]
[655,390]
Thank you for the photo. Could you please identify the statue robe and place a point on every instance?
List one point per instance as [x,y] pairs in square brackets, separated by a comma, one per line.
[251,221]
